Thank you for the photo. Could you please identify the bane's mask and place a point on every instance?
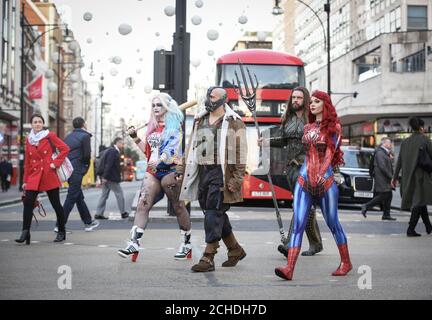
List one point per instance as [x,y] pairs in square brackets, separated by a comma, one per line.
[211,106]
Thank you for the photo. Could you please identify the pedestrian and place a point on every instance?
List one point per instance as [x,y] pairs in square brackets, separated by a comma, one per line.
[5,173]
[213,175]
[383,173]
[315,184]
[163,149]
[416,183]
[110,174]
[79,155]
[292,125]
[40,175]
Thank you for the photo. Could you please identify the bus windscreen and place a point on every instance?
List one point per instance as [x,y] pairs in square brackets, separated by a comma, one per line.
[269,76]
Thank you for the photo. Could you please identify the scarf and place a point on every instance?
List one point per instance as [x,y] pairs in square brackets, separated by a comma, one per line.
[34,138]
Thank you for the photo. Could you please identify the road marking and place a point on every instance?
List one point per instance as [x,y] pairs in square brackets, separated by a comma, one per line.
[35,241]
[269,242]
[357,220]
[68,244]
[5,240]
[395,234]
[102,246]
[333,280]
[169,248]
[370,236]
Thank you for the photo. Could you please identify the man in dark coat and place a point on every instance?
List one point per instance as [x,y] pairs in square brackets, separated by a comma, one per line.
[110,175]
[383,174]
[416,185]
[79,155]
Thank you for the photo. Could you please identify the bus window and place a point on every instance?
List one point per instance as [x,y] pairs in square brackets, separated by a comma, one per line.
[269,76]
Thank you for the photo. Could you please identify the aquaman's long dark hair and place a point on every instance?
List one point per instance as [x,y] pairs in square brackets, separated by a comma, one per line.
[289,110]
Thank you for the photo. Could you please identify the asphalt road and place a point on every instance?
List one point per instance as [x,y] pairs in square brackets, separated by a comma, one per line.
[387,264]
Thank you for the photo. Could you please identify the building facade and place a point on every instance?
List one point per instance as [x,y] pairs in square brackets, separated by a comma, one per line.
[380,49]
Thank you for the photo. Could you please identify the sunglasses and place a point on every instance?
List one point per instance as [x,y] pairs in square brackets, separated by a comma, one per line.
[160,105]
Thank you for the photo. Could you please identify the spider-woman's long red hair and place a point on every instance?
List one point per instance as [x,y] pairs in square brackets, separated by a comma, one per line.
[330,125]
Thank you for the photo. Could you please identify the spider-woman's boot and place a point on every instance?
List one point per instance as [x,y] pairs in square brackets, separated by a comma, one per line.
[185,249]
[132,247]
[288,271]
[345,265]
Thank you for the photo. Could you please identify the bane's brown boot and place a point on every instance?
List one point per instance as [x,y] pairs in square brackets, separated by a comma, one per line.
[206,262]
[235,251]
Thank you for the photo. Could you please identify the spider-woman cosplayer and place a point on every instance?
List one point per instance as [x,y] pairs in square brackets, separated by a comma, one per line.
[315,184]
[162,147]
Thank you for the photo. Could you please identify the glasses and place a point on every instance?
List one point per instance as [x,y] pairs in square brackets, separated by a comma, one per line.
[160,105]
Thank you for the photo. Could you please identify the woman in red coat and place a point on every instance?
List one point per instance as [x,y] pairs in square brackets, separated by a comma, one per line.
[40,175]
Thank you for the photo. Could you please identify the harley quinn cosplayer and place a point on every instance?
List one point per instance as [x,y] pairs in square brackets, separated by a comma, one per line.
[315,184]
[162,147]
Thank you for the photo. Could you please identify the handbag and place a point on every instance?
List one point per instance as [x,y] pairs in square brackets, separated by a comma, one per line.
[65,170]
[424,160]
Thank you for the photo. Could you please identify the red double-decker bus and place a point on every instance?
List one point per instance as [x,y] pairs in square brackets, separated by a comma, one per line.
[278,73]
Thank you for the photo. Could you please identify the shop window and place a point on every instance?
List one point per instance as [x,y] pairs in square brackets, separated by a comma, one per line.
[368,65]
[417,18]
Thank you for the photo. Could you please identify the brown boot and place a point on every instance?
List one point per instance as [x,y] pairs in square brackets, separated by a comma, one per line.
[206,262]
[235,251]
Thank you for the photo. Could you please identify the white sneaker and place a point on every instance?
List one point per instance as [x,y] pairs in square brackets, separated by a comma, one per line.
[131,248]
[89,227]
[184,252]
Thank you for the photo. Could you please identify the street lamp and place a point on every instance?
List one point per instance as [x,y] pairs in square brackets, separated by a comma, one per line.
[277,11]
[346,95]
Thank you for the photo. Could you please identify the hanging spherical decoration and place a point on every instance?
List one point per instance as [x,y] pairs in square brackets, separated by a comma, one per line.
[124,29]
[113,72]
[52,86]
[49,73]
[262,35]
[138,71]
[73,78]
[157,34]
[73,45]
[199,3]
[195,62]
[148,89]
[210,53]
[212,35]
[87,16]
[242,19]
[116,60]
[169,11]
[89,40]
[196,20]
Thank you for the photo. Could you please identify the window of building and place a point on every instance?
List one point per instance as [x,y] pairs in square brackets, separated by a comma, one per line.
[395,19]
[368,66]
[408,57]
[417,18]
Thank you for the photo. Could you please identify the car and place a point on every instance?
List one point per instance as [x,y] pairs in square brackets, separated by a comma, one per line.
[357,185]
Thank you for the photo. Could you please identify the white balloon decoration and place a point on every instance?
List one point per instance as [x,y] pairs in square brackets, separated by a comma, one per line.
[261,35]
[89,40]
[196,20]
[116,60]
[87,16]
[242,19]
[210,53]
[138,71]
[124,29]
[148,89]
[49,73]
[212,35]
[113,72]
[169,11]
[52,86]
[195,62]
[199,3]
[157,34]
[73,45]
[73,78]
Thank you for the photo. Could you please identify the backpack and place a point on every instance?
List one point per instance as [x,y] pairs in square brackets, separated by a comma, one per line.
[100,163]
[424,160]
[372,165]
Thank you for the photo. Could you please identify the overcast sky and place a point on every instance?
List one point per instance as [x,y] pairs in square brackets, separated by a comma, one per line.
[152,28]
